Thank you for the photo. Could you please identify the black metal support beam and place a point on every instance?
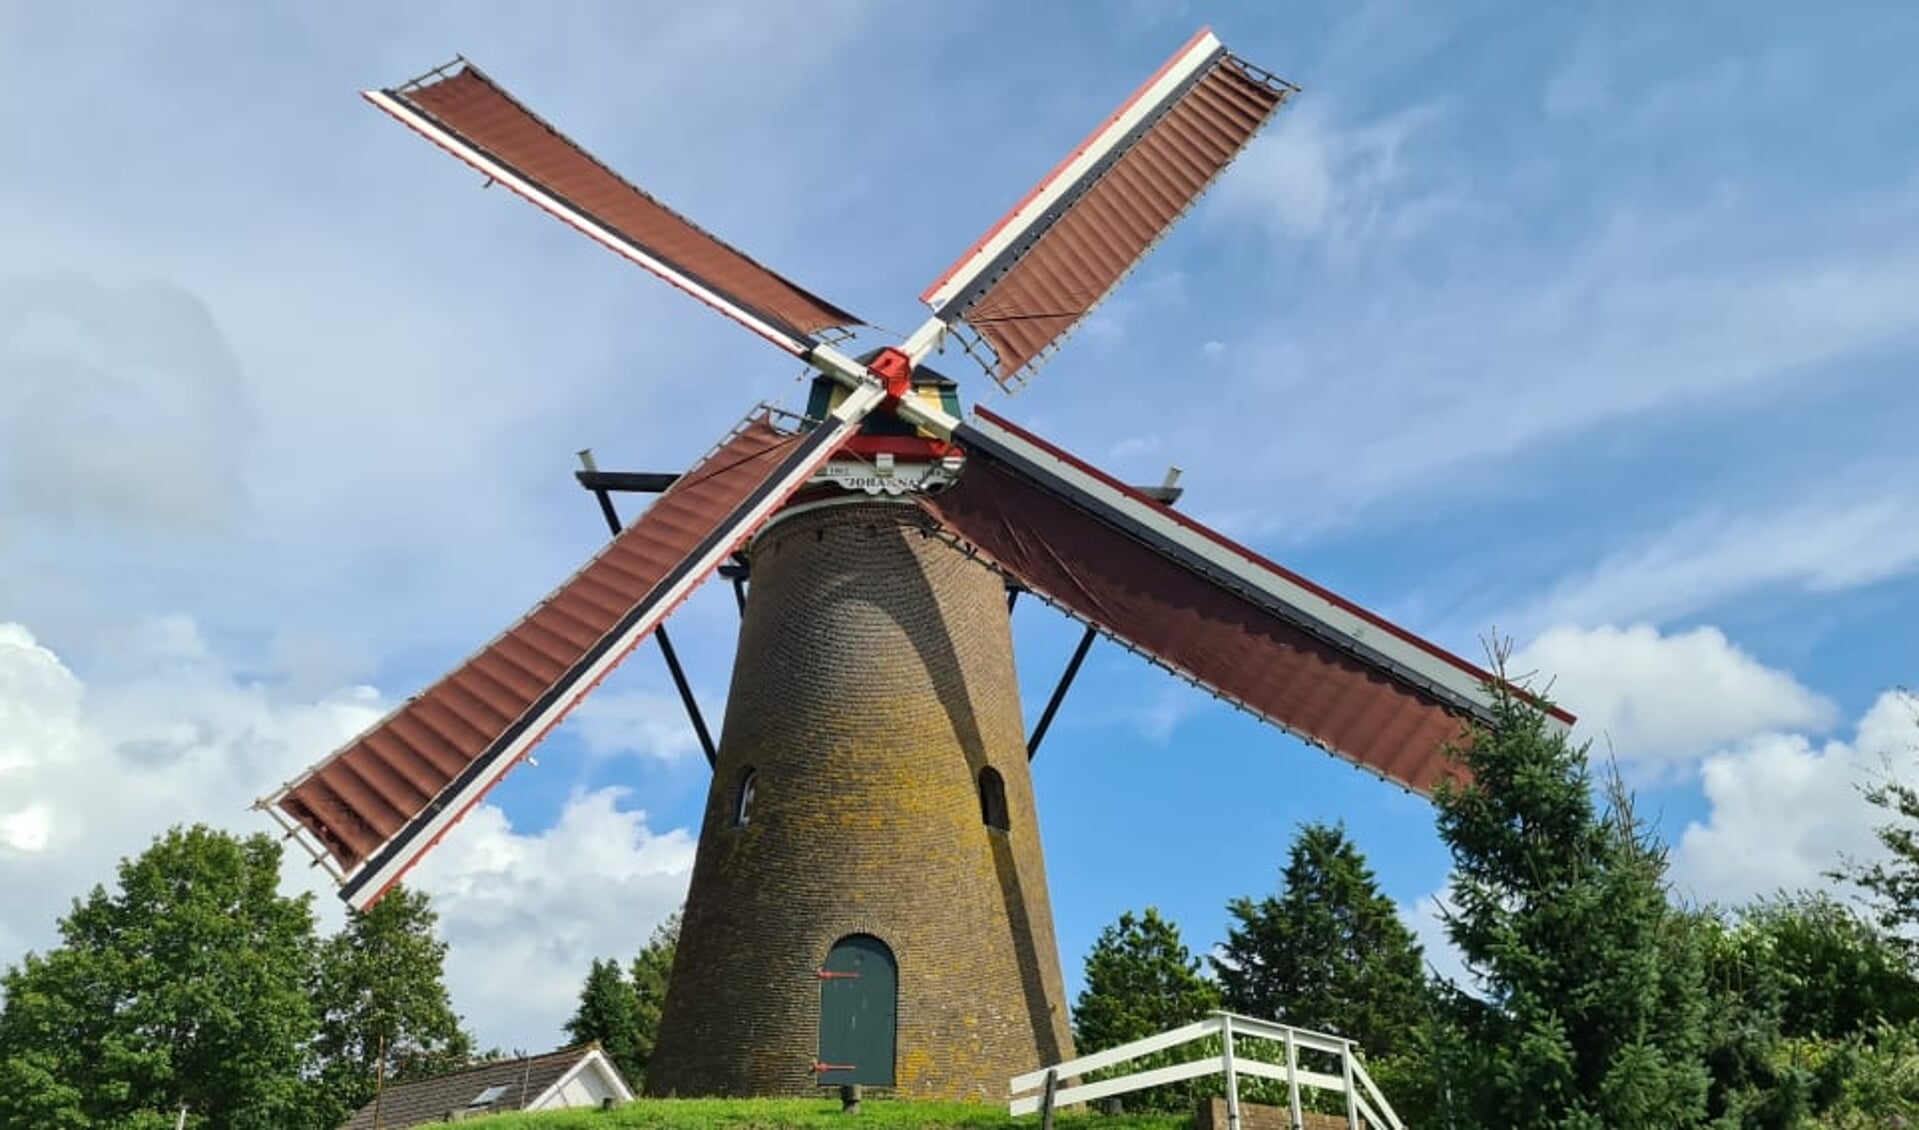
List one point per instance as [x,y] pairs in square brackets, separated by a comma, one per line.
[1059,692]
[607,511]
[634,482]
[737,571]
[686,696]
[1166,493]
[587,478]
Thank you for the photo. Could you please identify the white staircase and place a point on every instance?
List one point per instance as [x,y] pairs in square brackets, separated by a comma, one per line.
[1332,1066]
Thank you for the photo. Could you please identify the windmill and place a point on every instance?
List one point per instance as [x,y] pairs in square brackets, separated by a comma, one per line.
[868,902]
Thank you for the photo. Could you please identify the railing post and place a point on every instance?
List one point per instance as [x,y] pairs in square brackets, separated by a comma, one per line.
[1292,1080]
[1352,1088]
[1232,1074]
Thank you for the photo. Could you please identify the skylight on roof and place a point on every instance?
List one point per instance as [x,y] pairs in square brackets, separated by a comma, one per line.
[491,1095]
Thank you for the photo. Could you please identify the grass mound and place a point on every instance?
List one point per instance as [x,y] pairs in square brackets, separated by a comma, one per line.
[769,1114]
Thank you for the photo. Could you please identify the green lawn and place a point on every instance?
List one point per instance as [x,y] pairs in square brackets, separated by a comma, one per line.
[764,1114]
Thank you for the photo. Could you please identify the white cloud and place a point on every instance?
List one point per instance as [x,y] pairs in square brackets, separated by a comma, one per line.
[1579,87]
[641,723]
[524,915]
[1491,318]
[416,359]
[1457,379]
[1427,919]
[1130,450]
[1653,697]
[1285,183]
[168,734]
[1161,714]
[359,390]
[335,423]
[1785,811]
[1310,178]
[1154,709]
[1703,95]
[118,404]
[1844,535]
[1148,297]
[37,697]
[26,830]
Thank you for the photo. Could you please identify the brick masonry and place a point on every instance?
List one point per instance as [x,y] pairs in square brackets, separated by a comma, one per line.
[875,680]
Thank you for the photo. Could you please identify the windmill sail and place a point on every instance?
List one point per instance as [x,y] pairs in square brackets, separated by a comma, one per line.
[1057,254]
[375,807]
[1236,624]
[470,116]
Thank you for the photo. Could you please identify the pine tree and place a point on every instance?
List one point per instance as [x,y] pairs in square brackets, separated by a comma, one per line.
[186,985]
[1328,952]
[1140,981]
[1593,1014]
[652,968]
[609,1012]
[383,1004]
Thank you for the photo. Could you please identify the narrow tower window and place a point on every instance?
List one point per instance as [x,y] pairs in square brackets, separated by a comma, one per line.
[743,802]
[992,799]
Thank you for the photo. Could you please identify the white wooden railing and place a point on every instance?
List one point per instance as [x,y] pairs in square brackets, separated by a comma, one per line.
[1365,1106]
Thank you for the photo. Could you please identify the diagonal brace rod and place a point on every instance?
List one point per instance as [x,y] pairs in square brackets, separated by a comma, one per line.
[1059,692]
[686,696]
[673,667]
[1166,493]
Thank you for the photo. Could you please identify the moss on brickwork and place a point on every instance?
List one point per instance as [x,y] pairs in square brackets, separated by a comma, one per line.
[875,680]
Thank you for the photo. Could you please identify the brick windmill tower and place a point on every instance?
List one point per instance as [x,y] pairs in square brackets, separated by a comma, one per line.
[868,903]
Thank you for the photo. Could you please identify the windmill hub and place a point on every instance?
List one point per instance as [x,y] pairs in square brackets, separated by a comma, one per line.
[889,455]
[894,369]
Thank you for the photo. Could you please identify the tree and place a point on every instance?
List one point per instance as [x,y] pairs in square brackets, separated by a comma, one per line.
[186,985]
[624,1014]
[1328,952]
[652,969]
[1593,1012]
[1140,981]
[1837,975]
[1803,990]
[1756,1081]
[609,1012]
[1893,883]
[1881,1087]
[383,1005]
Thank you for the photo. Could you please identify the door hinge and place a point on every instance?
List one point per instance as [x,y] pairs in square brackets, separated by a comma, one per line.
[823,1068]
[836,975]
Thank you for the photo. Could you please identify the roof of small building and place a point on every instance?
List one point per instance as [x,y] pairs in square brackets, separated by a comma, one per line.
[501,1085]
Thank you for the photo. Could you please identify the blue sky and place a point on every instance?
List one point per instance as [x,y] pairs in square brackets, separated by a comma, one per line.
[1592,326]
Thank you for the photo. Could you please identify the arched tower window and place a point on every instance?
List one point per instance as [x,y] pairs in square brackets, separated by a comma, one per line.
[743,798]
[992,799]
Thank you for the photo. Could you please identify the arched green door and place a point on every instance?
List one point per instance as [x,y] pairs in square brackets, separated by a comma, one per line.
[859,1012]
